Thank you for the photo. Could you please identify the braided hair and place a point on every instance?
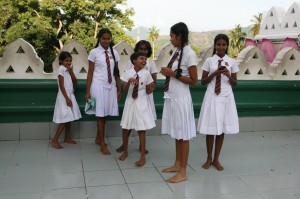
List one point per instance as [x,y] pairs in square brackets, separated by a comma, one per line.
[182,30]
[217,38]
[101,32]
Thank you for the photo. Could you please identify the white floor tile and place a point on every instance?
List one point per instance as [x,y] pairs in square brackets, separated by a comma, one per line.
[113,191]
[108,177]
[141,175]
[63,180]
[75,193]
[151,190]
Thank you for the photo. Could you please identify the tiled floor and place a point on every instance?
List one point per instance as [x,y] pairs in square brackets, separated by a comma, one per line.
[259,165]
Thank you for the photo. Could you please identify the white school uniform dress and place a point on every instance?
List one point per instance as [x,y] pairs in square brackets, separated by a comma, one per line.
[151,67]
[137,113]
[178,113]
[104,93]
[62,112]
[218,112]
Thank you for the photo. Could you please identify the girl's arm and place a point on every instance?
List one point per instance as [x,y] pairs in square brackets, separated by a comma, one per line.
[151,87]
[63,90]
[192,80]
[231,77]
[74,79]
[206,79]
[118,82]
[132,81]
[89,80]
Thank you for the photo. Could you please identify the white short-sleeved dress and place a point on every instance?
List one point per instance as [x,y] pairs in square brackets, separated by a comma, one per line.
[151,67]
[105,93]
[137,113]
[218,112]
[62,112]
[178,113]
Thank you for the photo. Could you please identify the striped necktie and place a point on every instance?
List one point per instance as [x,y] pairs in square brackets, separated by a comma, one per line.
[218,79]
[167,81]
[136,88]
[108,67]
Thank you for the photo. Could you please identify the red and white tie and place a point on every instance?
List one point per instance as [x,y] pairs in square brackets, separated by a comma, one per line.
[218,79]
[108,67]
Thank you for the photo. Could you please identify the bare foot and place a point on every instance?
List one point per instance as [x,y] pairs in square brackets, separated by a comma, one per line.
[123,156]
[120,149]
[218,165]
[56,145]
[170,169]
[177,178]
[70,141]
[207,164]
[104,150]
[140,162]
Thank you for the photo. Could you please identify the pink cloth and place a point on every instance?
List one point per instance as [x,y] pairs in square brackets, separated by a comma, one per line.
[288,42]
[268,50]
[249,42]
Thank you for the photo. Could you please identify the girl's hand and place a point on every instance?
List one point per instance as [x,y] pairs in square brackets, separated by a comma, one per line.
[87,97]
[226,72]
[133,81]
[150,88]
[69,68]
[69,102]
[166,71]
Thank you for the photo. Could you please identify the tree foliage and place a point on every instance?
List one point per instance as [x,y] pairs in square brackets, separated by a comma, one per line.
[48,24]
[256,21]
[237,39]
[153,35]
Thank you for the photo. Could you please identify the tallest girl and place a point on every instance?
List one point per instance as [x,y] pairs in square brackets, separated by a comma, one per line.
[178,114]
[103,84]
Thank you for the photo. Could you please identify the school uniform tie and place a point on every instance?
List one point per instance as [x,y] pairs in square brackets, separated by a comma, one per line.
[218,80]
[136,88]
[167,81]
[108,67]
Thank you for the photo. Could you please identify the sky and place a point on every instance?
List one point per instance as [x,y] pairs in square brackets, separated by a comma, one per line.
[200,15]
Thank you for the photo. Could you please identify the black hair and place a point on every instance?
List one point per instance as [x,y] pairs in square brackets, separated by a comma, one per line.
[101,32]
[147,44]
[135,55]
[64,55]
[217,38]
[182,30]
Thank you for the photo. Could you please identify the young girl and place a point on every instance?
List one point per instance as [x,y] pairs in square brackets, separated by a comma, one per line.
[144,46]
[137,113]
[218,113]
[66,108]
[103,84]
[178,114]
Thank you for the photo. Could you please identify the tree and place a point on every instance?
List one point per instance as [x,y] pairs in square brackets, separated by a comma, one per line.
[237,38]
[256,21]
[153,35]
[48,24]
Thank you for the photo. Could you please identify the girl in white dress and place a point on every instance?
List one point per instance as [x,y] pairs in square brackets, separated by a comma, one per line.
[103,84]
[66,108]
[218,113]
[145,46]
[137,113]
[178,114]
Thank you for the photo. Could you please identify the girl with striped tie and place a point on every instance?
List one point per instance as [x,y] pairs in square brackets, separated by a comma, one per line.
[178,114]
[144,46]
[137,113]
[103,84]
[218,113]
